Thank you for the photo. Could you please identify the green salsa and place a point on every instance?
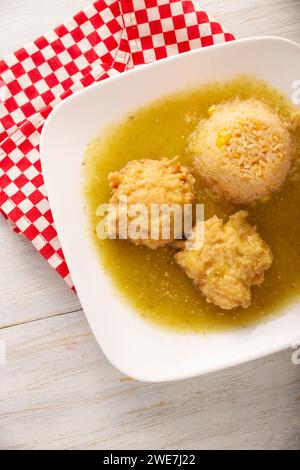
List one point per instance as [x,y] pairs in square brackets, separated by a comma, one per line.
[149,279]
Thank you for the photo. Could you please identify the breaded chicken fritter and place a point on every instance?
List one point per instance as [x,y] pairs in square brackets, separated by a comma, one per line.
[149,182]
[232,259]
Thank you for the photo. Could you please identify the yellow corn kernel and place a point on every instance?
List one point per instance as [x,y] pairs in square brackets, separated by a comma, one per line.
[222,140]
[211,110]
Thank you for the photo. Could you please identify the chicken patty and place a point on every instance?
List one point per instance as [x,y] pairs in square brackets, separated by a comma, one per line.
[153,182]
[231,260]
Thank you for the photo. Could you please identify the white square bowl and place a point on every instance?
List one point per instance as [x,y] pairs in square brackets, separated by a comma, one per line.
[136,347]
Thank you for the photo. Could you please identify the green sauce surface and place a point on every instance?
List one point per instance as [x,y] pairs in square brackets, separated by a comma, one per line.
[150,279]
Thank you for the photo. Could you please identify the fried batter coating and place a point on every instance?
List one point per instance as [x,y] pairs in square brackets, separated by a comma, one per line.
[149,182]
[232,259]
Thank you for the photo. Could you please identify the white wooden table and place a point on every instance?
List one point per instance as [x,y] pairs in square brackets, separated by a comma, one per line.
[57,391]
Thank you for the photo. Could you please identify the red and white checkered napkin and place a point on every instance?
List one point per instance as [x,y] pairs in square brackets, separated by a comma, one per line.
[107,37]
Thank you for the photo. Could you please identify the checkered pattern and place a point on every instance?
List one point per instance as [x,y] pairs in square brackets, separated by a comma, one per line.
[106,38]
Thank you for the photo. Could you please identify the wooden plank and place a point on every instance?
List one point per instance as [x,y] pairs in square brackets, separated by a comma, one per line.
[59,392]
[24,20]
[29,287]
[247,18]
[57,389]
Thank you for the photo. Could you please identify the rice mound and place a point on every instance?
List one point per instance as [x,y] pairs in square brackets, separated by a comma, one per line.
[243,151]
